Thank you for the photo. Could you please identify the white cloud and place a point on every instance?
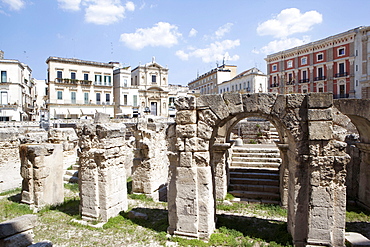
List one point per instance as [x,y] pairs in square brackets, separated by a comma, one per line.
[282,44]
[193,32]
[162,34]
[288,22]
[101,12]
[216,51]
[221,31]
[14,4]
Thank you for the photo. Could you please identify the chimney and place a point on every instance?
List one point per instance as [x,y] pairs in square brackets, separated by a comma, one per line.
[1,54]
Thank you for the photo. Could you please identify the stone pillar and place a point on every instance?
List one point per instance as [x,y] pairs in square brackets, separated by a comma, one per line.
[220,169]
[42,173]
[102,174]
[68,138]
[150,170]
[191,202]
[364,174]
[284,174]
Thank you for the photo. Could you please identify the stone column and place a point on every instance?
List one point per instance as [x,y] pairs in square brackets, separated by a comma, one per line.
[326,175]
[284,174]
[42,173]
[191,202]
[364,174]
[220,169]
[102,173]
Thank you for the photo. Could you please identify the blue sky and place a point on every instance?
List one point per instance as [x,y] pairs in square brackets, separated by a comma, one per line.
[188,36]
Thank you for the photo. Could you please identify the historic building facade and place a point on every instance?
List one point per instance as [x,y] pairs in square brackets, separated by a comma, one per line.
[151,81]
[337,64]
[208,82]
[249,81]
[78,88]
[16,91]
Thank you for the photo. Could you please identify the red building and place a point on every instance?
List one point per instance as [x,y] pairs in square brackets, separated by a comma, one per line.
[338,64]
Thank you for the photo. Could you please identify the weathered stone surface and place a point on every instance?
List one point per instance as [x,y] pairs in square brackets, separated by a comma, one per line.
[234,102]
[319,100]
[320,114]
[186,117]
[216,103]
[185,103]
[17,225]
[21,239]
[188,130]
[42,244]
[320,130]
[204,131]
[137,215]
[42,173]
[207,116]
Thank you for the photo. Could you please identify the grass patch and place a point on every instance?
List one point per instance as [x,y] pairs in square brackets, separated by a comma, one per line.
[357,214]
[11,192]
[72,187]
[140,197]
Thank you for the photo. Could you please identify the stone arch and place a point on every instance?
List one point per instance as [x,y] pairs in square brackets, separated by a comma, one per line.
[316,190]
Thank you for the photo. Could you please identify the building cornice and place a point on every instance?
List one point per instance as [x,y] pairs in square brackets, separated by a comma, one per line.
[79,62]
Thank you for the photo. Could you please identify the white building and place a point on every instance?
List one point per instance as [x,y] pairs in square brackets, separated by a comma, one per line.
[78,88]
[249,81]
[151,80]
[16,100]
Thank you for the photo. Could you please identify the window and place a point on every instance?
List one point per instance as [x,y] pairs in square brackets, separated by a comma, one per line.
[341,68]
[98,79]
[59,94]
[86,77]
[154,79]
[274,67]
[356,67]
[107,80]
[232,88]
[290,77]
[59,74]
[73,75]
[125,99]
[86,98]
[98,98]
[73,97]
[107,98]
[125,82]
[320,73]
[304,74]
[304,60]
[290,64]
[3,76]
[4,98]
[320,57]
[341,51]
[135,100]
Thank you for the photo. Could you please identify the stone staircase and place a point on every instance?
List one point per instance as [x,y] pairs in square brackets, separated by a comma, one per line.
[274,135]
[71,176]
[254,173]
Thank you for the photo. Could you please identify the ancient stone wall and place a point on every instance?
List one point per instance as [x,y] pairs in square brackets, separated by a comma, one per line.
[10,163]
[102,174]
[42,173]
[315,172]
[150,170]
[253,131]
[68,138]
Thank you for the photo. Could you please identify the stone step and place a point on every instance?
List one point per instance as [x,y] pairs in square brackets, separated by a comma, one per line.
[255,164]
[256,159]
[255,150]
[262,201]
[75,167]
[254,170]
[256,195]
[254,181]
[257,155]
[255,188]
[259,175]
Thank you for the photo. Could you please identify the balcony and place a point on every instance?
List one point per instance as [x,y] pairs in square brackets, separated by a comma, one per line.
[340,96]
[320,78]
[72,81]
[304,80]
[291,82]
[274,84]
[342,74]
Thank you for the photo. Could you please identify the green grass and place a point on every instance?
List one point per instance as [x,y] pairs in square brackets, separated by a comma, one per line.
[11,192]
[72,187]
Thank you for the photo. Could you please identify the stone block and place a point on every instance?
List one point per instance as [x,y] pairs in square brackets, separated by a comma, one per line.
[266,101]
[234,102]
[295,101]
[17,225]
[186,159]
[195,144]
[108,131]
[320,114]
[216,103]
[42,244]
[204,130]
[201,159]
[320,130]
[188,130]
[186,117]
[319,100]
[21,239]
[185,103]
[357,239]
[101,117]
[250,102]
[207,116]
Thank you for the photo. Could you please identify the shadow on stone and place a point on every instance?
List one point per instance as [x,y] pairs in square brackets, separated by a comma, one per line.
[265,229]
[157,218]
[70,207]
